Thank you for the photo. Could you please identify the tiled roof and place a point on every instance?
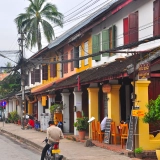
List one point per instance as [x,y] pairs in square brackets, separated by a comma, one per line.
[105,72]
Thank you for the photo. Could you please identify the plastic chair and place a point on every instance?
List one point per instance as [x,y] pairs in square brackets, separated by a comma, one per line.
[124,133]
[114,135]
[100,133]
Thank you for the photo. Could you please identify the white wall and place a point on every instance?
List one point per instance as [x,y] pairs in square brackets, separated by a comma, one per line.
[145,18]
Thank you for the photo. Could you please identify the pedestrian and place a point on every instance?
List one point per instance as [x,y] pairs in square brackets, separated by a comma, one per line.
[103,124]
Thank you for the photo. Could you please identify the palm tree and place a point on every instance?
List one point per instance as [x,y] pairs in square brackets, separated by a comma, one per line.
[39,15]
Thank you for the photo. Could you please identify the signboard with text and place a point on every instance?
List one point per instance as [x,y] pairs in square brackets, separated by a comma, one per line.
[138,113]
[107,131]
[144,71]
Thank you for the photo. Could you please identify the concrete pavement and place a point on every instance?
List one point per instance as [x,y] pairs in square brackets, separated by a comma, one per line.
[72,150]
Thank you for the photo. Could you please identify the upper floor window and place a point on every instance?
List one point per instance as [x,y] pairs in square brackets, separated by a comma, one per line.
[106,41]
[65,65]
[156,18]
[130,28]
[86,52]
[45,72]
[53,69]
[35,76]
[72,63]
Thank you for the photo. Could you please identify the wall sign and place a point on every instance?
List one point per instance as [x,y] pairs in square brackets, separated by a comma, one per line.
[106,88]
[144,71]
[107,131]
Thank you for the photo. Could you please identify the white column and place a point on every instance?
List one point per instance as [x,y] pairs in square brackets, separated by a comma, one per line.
[10,106]
[14,104]
[78,105]
[7,110]
[65,98]
[40,109]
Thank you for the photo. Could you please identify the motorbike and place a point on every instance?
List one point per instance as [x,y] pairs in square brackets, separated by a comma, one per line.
[53,151]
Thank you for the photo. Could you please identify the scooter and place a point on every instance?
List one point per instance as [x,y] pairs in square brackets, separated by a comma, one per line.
[53,151]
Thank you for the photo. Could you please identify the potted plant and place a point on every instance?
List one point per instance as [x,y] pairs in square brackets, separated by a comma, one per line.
[81,125]
[138,152]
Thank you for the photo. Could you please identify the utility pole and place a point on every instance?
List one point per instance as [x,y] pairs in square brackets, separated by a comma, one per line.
[21,44]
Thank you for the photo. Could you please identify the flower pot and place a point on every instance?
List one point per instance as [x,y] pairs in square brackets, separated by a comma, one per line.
[82,135]
[158,154]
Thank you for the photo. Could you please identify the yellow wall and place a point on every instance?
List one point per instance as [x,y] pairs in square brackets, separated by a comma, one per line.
[85,38]
[114,104]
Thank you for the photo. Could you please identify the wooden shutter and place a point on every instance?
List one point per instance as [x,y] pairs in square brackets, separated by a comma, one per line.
[33,76]
[96,47]
[37,75]
[76,55]
[65,65]
[113,36]
[125,31]
[72,65]
[156,18]
[45,72]
[55,70]
[51,70]
[105,42]
[133,27]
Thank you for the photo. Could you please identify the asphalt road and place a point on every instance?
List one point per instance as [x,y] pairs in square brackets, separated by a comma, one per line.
[13,150]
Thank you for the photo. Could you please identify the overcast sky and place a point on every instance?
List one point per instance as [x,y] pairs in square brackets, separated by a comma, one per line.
[9,10]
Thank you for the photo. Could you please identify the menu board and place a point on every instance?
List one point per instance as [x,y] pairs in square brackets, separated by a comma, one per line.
[129,144]
[107,131]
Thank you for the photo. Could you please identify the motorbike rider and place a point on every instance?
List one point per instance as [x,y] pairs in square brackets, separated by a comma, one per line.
[54,134]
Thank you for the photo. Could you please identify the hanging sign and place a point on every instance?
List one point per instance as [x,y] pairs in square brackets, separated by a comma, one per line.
[106,88]
[3,103]
[144,71]
[44,98]
[137,113]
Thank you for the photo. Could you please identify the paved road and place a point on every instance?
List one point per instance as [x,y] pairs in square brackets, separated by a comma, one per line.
[12,150]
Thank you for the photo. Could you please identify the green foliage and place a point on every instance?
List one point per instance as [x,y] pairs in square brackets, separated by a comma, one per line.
[53,108]
[138,150]
[11,83]
[38,17]
[81,124]
[153,114]
[13,116]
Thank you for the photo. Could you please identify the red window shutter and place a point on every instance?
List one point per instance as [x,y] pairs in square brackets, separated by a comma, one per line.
[65,65]
[133,27]
[33,76]
[72,63]
[125,31]
[156,18]
[37,75]
[51,70]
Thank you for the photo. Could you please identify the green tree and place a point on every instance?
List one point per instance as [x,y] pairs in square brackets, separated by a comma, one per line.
[8,65]
[39,15]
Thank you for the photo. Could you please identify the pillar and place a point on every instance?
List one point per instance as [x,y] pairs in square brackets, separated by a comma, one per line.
[14,105]
[93,104]
[30,108]
[114,104]
[141,90]
[78,104]
[10,106]
[65,98]
[7,110]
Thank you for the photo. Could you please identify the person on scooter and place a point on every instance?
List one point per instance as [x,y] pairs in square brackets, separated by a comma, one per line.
[54,134]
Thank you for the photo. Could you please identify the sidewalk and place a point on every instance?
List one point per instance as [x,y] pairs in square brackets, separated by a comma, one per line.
[72,150]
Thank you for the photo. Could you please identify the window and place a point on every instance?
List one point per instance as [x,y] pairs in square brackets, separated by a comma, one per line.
[27,80]
[45,72]
[72,63]
[77,63]
[156,18]
[33,76]
[130,28]
[65,65]
[37,75]
[86,53]
[108,40]
[53,69]
[80,55]
[96,47]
